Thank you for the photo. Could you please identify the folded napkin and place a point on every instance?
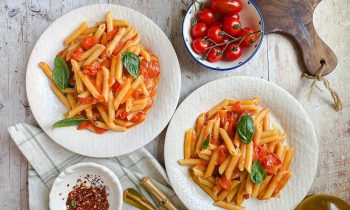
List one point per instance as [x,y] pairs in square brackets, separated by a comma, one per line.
[48,159]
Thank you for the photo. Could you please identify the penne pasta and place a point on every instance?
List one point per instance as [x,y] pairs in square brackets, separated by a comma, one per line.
[60,96]
[46,69]
[94,55]
[76,33]
[87,82]
[105,86]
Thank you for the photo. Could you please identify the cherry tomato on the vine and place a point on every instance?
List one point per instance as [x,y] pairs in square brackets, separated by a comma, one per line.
[214,33]
[216,23]
[250,38]
[205,16]
[232,26]
[200,45]
[199,30]
[232,52]
[215,54]
[226,7]
[236,16]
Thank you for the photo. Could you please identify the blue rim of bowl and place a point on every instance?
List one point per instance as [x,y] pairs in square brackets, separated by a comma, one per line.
[239,65]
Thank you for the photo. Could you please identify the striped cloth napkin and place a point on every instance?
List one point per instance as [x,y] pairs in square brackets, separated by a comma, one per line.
[48,159]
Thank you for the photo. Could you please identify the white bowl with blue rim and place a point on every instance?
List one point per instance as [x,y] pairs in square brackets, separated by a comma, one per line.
[250,16]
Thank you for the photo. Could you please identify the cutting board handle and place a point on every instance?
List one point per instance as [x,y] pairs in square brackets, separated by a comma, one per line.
[315,52]
[294,17]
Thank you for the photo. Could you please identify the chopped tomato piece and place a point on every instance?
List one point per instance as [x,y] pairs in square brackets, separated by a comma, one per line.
[236,107]
[87,100]
[87,42]
[268,160]
[223,154]
[123,114]
[106,63]
[92,69]
[138,117]
[153,69]
[225,183]
[98,130]
[116,87]
[84,125]
[111,34]
[77,53]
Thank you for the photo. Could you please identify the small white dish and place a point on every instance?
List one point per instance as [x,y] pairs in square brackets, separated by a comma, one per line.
[286,113]
[250,16]
[47,109]
[67,179]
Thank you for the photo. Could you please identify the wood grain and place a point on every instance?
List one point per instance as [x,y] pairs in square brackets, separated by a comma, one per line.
[22,22]
[295,18]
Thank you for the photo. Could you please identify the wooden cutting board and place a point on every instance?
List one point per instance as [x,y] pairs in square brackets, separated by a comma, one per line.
[295,18]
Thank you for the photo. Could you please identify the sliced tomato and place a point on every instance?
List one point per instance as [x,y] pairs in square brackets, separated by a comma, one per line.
[84,125]
[223,154]
[225,183]
[268,160]
[87,100]
[77,53]
[87,42]
[92,69]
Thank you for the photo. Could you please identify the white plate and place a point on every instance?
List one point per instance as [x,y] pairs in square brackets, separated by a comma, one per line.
[47,109]
[250,16]
[67,179]
[285,111]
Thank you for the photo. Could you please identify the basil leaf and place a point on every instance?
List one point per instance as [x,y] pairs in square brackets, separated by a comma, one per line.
[205,143]
[60,73]
[257,173]
[69,122]
[132,63]
[245,129]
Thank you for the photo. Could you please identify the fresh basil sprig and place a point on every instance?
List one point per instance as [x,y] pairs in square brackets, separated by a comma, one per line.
[245,129]
[132,63]
[60,73]
[257,173]
[68,122]
[206,143]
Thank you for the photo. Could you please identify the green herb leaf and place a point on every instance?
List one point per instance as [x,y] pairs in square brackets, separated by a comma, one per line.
[73,203]
[69,122]
[258,173]
[193,21]
[206,143]
[245,129]
[132,63]
[60,73]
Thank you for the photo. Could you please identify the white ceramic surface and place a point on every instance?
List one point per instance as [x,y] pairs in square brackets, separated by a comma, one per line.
[59,191]
[47,109]
[286,113]
[250,16]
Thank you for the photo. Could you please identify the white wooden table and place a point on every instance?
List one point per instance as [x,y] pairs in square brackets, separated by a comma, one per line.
[23,21]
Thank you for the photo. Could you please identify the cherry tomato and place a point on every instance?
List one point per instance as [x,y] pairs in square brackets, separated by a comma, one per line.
[153,69]
[77,53]
[216,23]
[236,16]
[225,183]
[200,45]
[223,154]
[268,160]
[226,7]
[86,100]
[84,125]
[251,38]
[232,52]
[87,42]
[232,26]
[215,54]
[205,16]
[199,30]
[214,33]
[92,68]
